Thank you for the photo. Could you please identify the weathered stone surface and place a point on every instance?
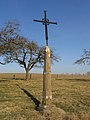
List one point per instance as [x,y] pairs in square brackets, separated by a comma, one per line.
[47,93]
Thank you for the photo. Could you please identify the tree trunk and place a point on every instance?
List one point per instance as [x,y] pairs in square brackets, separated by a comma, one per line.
[27,74]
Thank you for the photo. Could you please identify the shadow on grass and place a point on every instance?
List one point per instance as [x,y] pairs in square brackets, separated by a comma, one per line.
[36,101]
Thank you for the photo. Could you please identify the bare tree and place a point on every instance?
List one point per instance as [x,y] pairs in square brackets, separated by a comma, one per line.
[29,54]
[85,58]
[15,48]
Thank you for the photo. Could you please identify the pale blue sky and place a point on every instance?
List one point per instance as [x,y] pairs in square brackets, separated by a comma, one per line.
[69,37]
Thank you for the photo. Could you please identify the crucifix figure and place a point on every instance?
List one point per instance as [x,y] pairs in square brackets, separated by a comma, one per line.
[47,92]
[45,22]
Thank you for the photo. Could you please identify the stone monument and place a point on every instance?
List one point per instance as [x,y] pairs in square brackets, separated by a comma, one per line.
[47,91]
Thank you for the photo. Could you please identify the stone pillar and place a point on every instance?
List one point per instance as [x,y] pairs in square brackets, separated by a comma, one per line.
[47,93]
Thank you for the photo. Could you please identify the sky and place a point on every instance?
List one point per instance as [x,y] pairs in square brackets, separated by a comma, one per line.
[69,37]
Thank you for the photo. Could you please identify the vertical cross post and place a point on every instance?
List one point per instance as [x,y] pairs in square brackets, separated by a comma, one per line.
[47,92]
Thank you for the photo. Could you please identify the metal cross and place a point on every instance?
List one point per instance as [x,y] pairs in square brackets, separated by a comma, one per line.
[45,22]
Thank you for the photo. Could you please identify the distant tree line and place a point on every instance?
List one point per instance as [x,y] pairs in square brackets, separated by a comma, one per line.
[17,48]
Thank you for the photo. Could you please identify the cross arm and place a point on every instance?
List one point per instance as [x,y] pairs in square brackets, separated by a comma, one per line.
[43,21]
[38,20]
[51,22]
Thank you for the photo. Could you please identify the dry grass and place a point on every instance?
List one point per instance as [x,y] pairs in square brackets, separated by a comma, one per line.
[72,95]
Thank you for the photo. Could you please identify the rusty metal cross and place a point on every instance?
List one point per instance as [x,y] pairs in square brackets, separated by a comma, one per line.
[45,22]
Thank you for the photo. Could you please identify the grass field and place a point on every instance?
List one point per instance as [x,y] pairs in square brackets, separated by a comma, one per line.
[17,98]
